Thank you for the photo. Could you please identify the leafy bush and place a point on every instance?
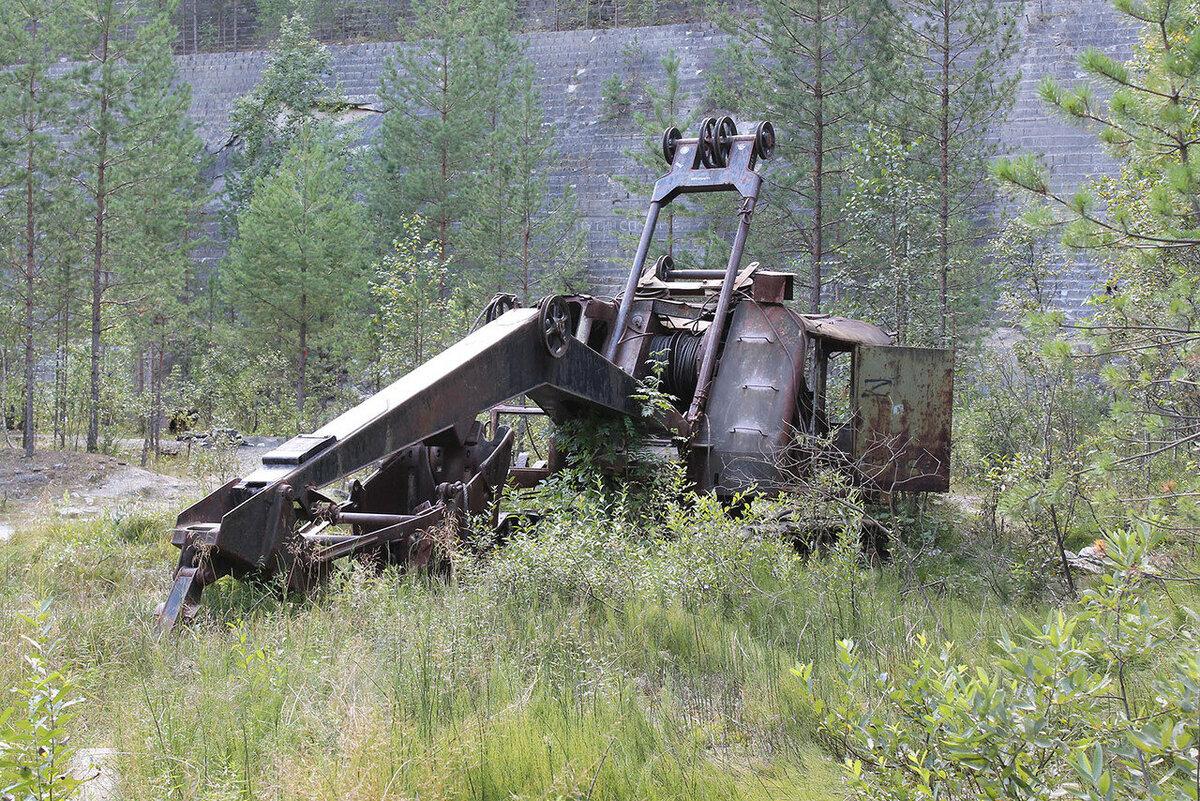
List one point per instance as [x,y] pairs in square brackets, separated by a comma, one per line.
[1059,713]
[35,758]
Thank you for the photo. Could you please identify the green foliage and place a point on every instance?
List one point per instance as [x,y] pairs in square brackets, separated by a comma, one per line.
[616,96]
[390,686]
[1142,226]
[36,761]
[883,114]
[1148,124]
[135,161]
[706,243]
[613,464]
[1056,713]
[444,100]
[520,237]
[819,90]
[668,649]
[464,147]
[295,90]
[888,207]
[949,88]
[33,103]
[295,271]
[236,384]
[419,313]
[98,187]
[1028,421]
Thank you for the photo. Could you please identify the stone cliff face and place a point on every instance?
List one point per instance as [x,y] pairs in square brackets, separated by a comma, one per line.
[572,66]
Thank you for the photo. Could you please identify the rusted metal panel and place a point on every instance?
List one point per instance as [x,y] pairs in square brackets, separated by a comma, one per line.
[754,399]
[844,331]
[902,425]
[772,287]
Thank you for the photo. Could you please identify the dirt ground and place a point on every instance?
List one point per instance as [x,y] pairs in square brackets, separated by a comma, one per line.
[79,484]
[83,479]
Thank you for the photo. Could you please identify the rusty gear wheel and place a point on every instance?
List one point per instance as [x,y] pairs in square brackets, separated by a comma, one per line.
[670,143]
[723,133]
[500,304]
[707,141]
[764,140]
[555,317]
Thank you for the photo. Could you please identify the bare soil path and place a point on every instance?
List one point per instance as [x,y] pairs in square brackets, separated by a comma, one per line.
[76,483]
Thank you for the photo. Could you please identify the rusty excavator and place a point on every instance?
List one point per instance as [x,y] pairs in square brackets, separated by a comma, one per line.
[751,377]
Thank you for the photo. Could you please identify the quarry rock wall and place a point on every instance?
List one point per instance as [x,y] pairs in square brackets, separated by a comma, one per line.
[573,65]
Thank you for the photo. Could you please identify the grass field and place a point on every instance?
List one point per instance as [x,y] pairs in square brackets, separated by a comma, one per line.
[591,662]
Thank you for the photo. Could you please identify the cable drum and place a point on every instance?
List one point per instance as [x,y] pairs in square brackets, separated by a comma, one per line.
[681,352]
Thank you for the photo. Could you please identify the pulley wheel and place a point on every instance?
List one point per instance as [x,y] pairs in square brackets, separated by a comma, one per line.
[555,318]
[670,142]
[724,131]
[764,140]
[708,141]
[663,267]
[500,304]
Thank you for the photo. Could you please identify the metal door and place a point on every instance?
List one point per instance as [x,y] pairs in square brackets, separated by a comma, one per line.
[902,419]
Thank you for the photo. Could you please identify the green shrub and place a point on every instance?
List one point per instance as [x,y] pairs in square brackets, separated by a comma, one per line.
[35,757]
[1058,713]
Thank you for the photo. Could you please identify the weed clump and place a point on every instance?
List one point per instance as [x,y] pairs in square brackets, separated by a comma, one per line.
[36,758]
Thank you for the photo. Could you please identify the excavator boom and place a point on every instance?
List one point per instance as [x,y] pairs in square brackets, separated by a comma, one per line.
[249,526]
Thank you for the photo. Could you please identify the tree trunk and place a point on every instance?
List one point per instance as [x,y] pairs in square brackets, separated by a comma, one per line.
[27,436]
[93,434]
[156,431]
[526,233]
[98,278]
[4,395]
[63,376]
[818,174]
[944,182]
[898,297]
[300,381]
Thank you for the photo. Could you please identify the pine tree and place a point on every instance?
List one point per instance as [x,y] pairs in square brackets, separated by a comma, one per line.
[134,140]
[708,219]
[1143,225]
[667,110]
[949,98]
[1148,123]
[33,104]
[156,259]
[805,64]
[551,248]
[519,236]
[297,263]
[443,94]
[296,88]
[67,286]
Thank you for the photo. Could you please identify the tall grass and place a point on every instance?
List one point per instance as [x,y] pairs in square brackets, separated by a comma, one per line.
[589,662]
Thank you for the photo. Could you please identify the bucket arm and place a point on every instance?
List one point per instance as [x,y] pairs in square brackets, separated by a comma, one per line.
[247,527]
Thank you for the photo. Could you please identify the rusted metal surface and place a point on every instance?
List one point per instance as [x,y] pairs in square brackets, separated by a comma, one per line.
[717,160]
[842,331]
[748,374]
[772,287]
[902,429]
[753,409]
